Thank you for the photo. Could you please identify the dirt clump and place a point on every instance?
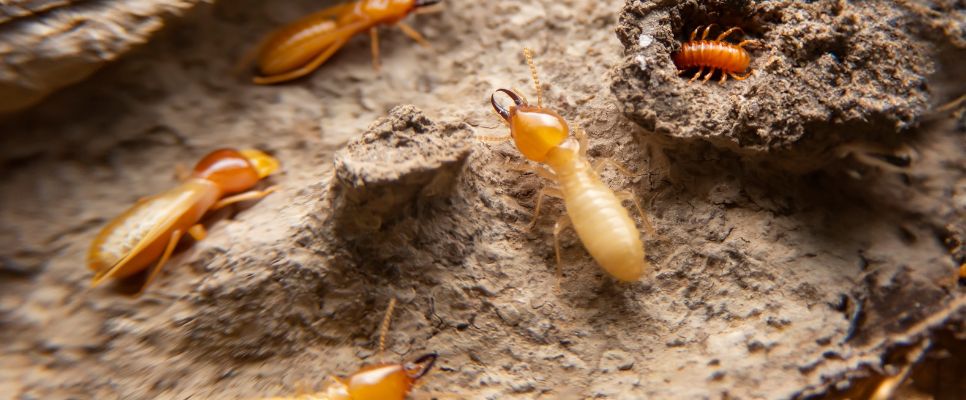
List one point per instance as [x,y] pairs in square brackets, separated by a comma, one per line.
[825,73]
[400,160]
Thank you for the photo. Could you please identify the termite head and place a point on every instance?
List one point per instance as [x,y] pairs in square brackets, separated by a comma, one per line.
[535,130]
[235,171]
[385,381]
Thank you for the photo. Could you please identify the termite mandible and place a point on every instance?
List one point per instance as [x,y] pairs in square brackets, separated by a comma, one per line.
[593,210]
[152,228]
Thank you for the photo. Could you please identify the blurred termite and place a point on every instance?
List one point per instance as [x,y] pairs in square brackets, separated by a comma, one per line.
[383,381]
[892,159]
[593,210]
[898,159]
[152,227]
[301,47]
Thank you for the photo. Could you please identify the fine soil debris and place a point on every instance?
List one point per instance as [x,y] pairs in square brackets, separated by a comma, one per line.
[764,284]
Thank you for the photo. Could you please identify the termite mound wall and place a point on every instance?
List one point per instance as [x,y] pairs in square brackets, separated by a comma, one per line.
[46,45]
[402,164]
[825,73]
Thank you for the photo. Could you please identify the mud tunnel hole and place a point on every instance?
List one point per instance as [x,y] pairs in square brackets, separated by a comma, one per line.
[725,15]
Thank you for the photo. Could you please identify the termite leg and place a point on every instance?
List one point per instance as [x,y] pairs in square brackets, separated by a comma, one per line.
[708,76]
[749,43]
[700,70]
[172,243]
[496,139]
[724,77]
[581,136]
[540,170]
[305,69]
[334,381]
[414,35]
[951,105]
[553,192]
[602,163]
[695,32]
[706,31]
[433,9]
[197,232]
[250,195]
[728,32]
[562,223]
[374,35]
[740,77]
[681,72]
[627,195]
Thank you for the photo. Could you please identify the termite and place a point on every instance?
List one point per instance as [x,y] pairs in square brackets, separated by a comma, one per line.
[892,159]
[592,209]
[383,381]
[152,228]
[731,59]
[301,47]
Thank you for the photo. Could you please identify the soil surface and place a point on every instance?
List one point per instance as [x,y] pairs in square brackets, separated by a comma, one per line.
[765,284]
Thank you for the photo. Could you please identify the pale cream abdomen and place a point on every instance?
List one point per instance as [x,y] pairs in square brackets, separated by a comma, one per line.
[602,223]
[178,208]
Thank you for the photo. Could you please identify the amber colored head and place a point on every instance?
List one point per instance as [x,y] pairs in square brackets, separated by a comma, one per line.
[388,381]
[235,171]
[535,130]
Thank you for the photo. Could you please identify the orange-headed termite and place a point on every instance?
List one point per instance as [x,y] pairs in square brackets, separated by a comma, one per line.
[383,381]
[152,227]
[299,48]
[731,59]
[595,211]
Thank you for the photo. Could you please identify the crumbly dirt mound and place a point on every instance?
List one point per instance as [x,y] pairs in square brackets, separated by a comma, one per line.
[825,73]
[398,160]
[762,286]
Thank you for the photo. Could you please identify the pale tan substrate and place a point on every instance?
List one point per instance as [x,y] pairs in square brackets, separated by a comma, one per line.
[749,268]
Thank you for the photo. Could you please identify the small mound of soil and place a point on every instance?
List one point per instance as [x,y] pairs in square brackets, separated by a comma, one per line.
[824,73]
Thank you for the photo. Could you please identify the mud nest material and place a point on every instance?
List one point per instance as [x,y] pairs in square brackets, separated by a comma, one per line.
[825,73]
[46,45]
[399,162]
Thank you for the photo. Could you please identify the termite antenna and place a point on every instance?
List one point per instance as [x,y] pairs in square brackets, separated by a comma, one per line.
[533,73]
[384,329]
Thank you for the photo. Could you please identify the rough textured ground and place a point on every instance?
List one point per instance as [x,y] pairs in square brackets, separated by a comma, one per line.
[48,44]
[765,285]
[826,73]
